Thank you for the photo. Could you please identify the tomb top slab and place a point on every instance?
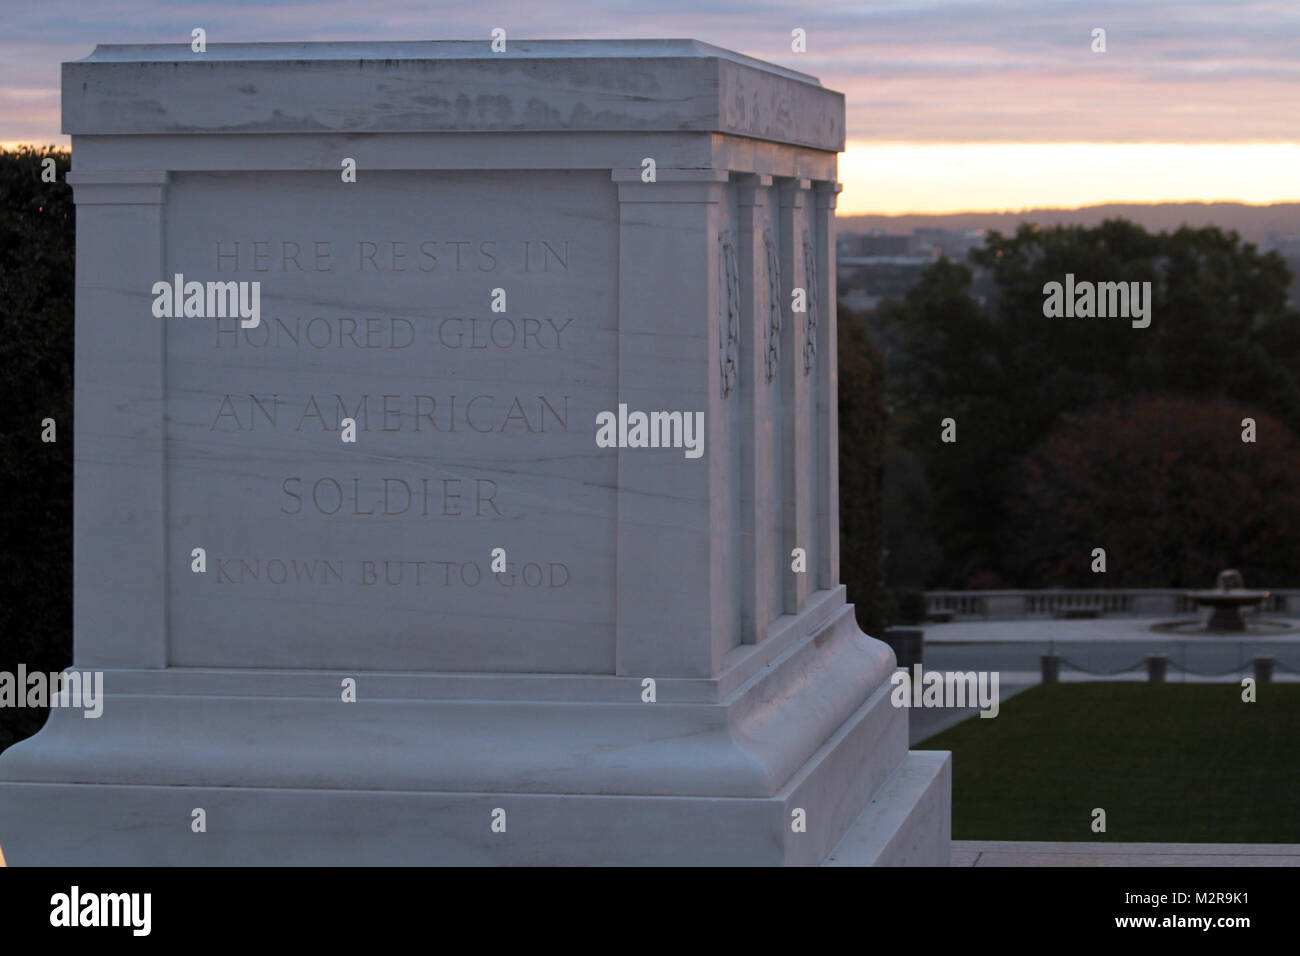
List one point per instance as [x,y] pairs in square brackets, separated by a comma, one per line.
[447,86]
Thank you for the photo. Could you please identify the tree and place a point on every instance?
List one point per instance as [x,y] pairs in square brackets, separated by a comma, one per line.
[36,292]
[1167,487]
[862,462]
[1008,374]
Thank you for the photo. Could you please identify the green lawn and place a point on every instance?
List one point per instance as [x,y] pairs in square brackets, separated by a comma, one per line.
[1169,763]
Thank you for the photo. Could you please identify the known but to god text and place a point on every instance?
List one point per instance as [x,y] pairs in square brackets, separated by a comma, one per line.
[534,575]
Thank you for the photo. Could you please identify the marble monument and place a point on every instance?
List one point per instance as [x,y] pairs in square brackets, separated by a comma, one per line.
[366,579]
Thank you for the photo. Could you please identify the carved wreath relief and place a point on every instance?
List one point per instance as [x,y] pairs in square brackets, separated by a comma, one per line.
[810,279]
[773,306]
[729,299]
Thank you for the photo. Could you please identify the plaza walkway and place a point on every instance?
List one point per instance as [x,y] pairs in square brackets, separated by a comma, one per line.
[999,853]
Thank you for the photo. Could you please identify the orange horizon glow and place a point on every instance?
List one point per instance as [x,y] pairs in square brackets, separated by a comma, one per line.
[950,178]
[901,178]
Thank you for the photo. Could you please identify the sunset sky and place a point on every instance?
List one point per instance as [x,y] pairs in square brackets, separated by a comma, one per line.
[952,105]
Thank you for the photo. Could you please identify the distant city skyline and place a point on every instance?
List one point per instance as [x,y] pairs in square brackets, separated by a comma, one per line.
[952,106]
[1263,224]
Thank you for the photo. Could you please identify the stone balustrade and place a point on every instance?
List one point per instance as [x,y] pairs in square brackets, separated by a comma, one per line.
[1010,605]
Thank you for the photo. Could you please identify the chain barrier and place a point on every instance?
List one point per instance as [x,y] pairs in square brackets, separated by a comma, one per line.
[1171,665]
[1140,665]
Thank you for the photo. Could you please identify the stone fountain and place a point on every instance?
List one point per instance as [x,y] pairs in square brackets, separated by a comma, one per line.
[1227,601]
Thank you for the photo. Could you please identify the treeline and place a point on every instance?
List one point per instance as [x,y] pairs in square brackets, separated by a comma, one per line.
[1081,433]
[36,288]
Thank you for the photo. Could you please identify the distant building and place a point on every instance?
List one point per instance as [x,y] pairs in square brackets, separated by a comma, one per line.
[875,266]
[885,245]
[857,245]
[1288,244]
[952,243]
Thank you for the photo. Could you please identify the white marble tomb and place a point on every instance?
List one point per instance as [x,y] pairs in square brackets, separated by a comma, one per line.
[521,690]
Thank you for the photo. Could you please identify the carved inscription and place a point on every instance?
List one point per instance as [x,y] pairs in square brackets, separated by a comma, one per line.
[482,414]
[326,494]
[392,256]
[390,573]
[394,333]
[394,469]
